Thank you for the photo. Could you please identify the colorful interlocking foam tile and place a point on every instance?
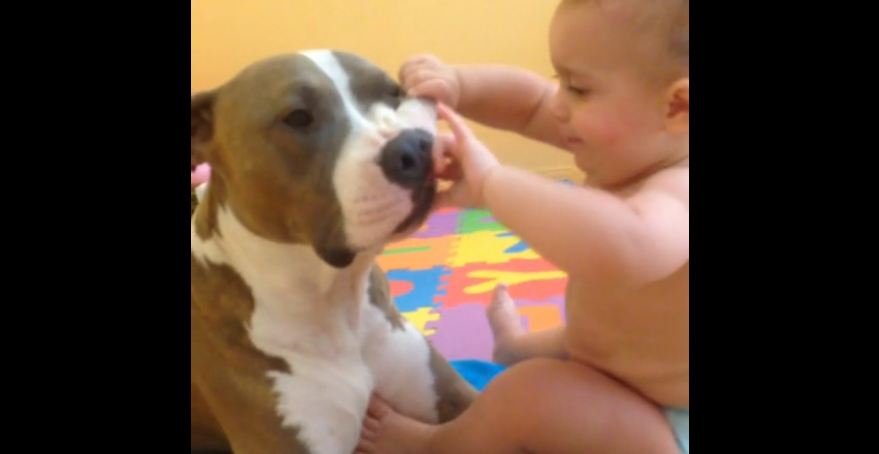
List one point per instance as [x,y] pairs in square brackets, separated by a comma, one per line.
[442,278]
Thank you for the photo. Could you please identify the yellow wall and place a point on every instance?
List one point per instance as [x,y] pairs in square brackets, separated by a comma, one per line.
[227,35]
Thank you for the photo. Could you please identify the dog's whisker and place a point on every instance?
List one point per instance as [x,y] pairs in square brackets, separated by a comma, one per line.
[374,216]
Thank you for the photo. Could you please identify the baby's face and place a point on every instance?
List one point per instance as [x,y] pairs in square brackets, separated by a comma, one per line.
[612,119]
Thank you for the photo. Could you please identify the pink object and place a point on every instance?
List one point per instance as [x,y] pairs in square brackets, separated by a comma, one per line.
[200,175]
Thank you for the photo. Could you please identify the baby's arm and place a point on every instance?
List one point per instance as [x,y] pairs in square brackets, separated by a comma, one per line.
[499,96]
[596,236]
[509,98]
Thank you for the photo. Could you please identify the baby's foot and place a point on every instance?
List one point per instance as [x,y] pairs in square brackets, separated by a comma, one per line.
[505,324]
[386,431]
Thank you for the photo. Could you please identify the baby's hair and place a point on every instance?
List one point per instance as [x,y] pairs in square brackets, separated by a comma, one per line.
[676,26]
[665,20]
[680,40]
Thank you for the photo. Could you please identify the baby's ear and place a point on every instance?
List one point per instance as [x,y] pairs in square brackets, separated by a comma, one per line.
[677,101]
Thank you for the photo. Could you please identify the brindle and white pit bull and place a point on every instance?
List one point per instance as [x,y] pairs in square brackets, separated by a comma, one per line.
[318,160]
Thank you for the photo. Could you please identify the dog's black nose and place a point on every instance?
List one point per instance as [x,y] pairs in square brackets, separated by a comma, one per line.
[406,159]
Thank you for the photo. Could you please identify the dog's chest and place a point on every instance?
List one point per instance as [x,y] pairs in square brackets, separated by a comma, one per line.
[326,391]
[335,366]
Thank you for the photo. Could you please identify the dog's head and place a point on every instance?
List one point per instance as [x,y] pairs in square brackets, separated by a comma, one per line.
[321,148]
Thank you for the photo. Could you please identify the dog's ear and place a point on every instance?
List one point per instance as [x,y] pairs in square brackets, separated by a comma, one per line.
[202,131]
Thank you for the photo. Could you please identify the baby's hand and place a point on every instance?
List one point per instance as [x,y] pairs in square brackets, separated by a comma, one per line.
[471,163]
[428,76]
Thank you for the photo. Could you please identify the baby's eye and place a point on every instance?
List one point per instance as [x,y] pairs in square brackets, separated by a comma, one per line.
[566,84]
[576,90]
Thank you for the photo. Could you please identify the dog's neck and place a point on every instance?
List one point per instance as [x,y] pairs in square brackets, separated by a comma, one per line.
[289,282]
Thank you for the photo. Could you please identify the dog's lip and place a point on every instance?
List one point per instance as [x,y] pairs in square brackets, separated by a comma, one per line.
[423,199]
[369,212]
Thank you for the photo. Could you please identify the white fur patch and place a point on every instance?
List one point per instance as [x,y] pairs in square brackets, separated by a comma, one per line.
[400,361]
[200,191]
[318,320]
[326,61]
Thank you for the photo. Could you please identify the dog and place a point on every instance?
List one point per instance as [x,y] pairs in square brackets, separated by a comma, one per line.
[318,160]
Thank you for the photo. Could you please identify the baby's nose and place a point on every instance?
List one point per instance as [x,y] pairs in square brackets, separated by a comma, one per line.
[559,108]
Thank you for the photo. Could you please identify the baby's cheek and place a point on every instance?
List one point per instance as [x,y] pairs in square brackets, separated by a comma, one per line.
[601,130]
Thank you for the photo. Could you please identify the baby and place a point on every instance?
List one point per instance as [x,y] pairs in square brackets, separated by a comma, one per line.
[615,378]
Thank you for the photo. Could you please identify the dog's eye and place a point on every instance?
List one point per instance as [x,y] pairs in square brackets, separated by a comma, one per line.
[299,118]
[396,92]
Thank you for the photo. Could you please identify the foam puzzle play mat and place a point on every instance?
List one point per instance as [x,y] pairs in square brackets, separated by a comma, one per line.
[443,277]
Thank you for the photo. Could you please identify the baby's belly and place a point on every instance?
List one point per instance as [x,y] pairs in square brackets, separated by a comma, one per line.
[642,339]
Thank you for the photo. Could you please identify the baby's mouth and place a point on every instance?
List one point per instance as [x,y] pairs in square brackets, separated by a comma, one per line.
[569,137]
[573,141]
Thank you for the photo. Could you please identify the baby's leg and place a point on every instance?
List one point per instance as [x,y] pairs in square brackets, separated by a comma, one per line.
[540,405]
[511,342]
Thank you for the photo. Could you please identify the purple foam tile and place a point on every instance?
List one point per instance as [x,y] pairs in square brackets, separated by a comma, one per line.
[441,223]
[462,332]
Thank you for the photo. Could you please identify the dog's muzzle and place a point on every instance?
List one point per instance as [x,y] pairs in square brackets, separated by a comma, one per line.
[406,160]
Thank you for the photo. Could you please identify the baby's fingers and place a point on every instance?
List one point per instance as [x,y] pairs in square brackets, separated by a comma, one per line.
[456,196]
[460,129]
[418,60]
[451,171]
[436,89]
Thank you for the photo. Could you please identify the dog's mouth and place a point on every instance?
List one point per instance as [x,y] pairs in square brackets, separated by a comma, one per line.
[407,163]
[422,201]
[375,212]
[386,211]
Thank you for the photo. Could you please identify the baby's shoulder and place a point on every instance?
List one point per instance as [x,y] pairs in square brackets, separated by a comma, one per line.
[674,181]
